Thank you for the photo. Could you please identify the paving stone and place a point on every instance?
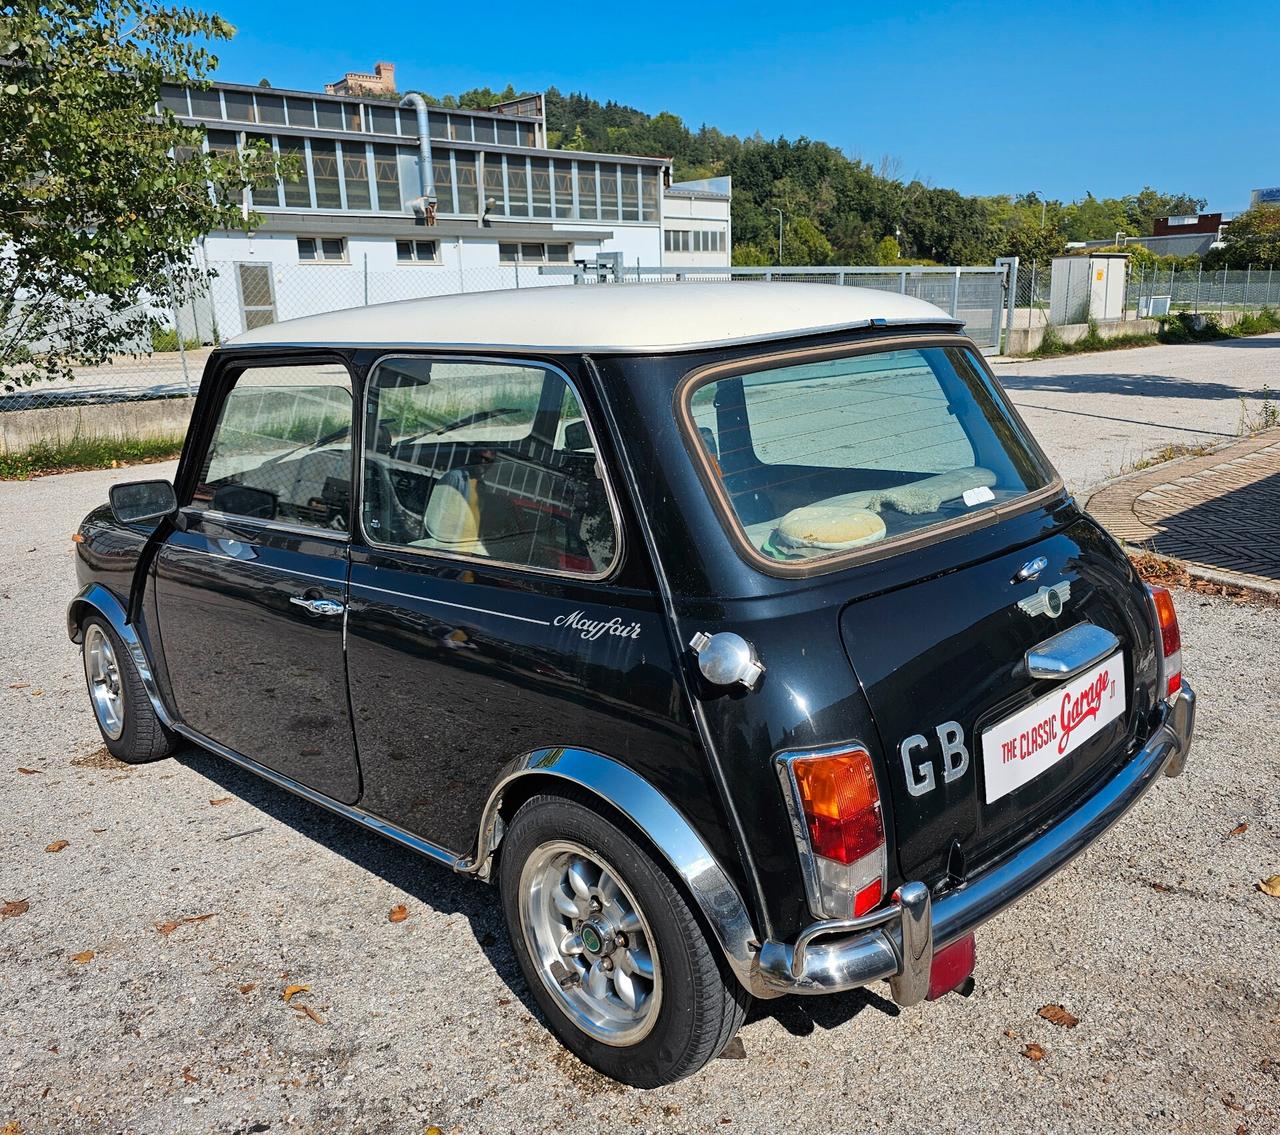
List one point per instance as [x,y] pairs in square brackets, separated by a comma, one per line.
[1220,510]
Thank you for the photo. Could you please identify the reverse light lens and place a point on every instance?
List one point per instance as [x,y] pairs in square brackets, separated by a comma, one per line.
[1170,639]
[841,804]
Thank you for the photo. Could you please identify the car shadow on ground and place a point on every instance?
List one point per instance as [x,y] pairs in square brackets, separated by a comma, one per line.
[444,891]
[431,884]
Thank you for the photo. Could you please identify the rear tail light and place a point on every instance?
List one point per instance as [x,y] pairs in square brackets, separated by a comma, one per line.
[1170,639]
[839,827]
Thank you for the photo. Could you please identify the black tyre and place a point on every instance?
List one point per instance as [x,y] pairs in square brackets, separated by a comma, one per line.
[130,728]
[615,958]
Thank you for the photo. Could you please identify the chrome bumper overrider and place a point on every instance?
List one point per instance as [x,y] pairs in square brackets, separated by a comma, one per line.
[897,943]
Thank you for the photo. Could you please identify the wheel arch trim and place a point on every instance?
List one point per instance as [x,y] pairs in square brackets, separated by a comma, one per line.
[98,599]
[674,838]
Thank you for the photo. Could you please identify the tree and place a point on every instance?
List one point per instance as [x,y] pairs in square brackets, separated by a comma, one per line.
[102,192]
[1253,238]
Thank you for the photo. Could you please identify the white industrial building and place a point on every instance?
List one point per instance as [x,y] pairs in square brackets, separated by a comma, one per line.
[396,199]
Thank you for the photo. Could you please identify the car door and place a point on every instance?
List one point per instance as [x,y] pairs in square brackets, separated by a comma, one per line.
[493,612]
[251,588]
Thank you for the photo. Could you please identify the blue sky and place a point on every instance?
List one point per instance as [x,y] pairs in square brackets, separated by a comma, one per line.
[982,97]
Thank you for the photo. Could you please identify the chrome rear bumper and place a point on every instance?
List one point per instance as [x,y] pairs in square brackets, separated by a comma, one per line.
[897,943]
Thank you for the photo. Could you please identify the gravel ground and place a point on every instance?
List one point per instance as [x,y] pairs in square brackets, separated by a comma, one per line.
[1155,939]
[1098,414]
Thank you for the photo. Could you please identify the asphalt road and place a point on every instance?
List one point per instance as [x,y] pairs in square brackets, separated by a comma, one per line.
[1096,415]
[1155,939]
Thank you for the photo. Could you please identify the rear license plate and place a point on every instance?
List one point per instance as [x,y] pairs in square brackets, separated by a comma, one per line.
[1021,747]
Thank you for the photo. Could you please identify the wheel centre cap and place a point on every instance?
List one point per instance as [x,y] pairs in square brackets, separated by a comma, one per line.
[596,939]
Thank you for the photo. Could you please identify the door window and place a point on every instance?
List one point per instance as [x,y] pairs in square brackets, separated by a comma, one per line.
[491,461]
[282,447]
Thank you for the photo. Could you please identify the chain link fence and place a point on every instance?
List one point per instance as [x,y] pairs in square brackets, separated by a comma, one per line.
[233,296]
[1147,293]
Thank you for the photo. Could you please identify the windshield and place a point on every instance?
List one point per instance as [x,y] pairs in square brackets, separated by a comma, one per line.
[823,459]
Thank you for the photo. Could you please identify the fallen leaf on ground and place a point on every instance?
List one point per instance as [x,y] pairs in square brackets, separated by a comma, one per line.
[37,693]
[18,685]
[1059,1016]
[28,771]
[14,907]
[167,928]
[82,957]
[248,987]
[1239,829]
[13,1127]
[291,991]
[99,831]
[220,801]
[1011,1034]
[734,1050]
[188,1077]
[310,1012]
[397,913]
[1033,1051]
[57,845]
[433,1130]
[1270,886]
[1161,887]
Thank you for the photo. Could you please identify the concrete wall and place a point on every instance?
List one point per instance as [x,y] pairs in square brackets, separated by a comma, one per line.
[166,417]
[1024,340]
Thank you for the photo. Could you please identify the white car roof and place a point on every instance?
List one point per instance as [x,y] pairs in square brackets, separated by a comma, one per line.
[603,318]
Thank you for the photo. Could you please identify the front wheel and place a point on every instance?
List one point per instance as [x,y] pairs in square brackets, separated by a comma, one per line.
[130,728]
[613,954]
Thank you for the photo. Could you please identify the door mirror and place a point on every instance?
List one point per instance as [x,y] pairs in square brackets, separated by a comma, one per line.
[136,502]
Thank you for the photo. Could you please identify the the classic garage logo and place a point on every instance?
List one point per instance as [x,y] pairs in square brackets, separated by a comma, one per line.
[1021,747]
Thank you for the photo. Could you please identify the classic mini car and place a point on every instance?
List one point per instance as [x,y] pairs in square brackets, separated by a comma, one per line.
[741,633]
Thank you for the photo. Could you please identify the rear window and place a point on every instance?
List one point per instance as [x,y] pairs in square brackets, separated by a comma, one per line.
[839,456]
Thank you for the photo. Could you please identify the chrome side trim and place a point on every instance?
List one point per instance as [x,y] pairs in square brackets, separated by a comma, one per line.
[672,835]
[1071,651]
[364,819]
[897,944]
[97,597]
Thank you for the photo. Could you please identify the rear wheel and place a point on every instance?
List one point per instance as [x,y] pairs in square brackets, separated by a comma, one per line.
[612,953]
[130,728]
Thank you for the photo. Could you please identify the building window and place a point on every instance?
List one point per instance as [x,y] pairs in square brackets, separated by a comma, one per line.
[355,171]
[270,108]
[417,252]
[693,240]
[297,188]
[324,172]
[386,177]
[302,112]
[382,119]
[534,253]
[322,249]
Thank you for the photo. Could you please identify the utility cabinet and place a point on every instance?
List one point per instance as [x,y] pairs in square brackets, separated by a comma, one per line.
[1082,288]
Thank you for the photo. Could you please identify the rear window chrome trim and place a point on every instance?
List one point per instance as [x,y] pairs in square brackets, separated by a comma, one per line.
[480,562]
[823,565]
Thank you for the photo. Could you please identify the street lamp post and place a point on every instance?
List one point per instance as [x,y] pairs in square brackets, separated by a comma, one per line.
[779,212]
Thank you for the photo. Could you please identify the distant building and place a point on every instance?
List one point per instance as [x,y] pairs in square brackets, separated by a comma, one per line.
[383,211]
[381,82]
[1184,226]
[1266,196]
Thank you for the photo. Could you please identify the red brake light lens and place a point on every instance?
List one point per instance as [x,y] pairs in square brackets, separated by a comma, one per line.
[841,804]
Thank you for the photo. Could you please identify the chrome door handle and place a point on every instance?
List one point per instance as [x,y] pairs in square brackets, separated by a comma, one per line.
[318,606]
